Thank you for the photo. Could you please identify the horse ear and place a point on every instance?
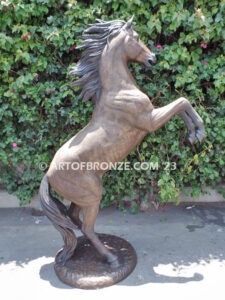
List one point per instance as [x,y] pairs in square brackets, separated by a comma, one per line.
[129,23]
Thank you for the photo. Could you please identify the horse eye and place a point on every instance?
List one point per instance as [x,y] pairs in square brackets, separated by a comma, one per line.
[137,38]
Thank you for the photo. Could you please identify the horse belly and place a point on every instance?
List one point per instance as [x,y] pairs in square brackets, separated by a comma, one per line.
[70,161]
[122,146]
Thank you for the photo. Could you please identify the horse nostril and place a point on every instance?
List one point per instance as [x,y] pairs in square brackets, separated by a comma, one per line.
[152,59]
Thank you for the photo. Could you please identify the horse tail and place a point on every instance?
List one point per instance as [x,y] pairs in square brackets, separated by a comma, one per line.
[57,214]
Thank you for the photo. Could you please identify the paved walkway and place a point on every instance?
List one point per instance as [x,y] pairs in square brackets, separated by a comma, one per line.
[181,255]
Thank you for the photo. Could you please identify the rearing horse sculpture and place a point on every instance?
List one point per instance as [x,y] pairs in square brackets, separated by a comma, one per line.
[122,117]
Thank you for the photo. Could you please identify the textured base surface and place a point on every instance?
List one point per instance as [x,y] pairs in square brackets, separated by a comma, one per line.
[86,269]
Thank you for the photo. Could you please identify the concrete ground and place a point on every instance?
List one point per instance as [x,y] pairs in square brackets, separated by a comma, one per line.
[181,254]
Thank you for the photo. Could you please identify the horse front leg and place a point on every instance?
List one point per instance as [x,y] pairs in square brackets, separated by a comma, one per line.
[184,109]
[73,212]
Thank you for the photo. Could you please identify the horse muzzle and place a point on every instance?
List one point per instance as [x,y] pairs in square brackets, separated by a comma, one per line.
[151,60]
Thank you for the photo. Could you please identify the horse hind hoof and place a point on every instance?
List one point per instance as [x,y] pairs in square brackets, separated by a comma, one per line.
[63,257]
[114,264]
[113,261]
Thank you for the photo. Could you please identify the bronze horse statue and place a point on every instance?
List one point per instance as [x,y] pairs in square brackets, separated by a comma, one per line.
[122,117]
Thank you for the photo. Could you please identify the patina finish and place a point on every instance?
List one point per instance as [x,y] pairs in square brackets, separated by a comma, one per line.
[122,117]
[85,268]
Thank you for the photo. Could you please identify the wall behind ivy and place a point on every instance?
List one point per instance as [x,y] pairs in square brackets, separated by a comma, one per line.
[39,111]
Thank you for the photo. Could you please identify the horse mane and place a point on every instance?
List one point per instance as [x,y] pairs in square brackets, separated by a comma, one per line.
[95,39]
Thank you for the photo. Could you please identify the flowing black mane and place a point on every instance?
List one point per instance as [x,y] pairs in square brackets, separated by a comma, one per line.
[95,39]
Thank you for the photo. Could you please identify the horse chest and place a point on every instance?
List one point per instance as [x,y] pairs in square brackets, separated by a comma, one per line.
[133,101]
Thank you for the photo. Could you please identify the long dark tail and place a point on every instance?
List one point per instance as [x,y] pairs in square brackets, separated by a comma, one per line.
[57,214]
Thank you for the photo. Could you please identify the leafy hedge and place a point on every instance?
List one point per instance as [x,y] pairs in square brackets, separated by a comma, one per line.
[39,111]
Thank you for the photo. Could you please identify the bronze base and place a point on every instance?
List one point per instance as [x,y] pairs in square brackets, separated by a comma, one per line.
[86,268]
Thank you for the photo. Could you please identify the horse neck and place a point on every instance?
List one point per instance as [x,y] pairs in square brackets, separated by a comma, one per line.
[114,72]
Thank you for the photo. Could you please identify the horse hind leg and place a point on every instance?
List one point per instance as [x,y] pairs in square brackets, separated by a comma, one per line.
[86,193]
[89,216]
[73,212]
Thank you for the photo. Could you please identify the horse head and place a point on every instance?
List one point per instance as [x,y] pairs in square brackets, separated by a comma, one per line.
[108,42]
[135,49]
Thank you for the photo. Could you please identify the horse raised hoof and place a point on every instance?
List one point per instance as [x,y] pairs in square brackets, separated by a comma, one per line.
[200,133]
[191,138]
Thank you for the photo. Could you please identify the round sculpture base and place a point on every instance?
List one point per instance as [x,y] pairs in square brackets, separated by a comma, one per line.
[86,269]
